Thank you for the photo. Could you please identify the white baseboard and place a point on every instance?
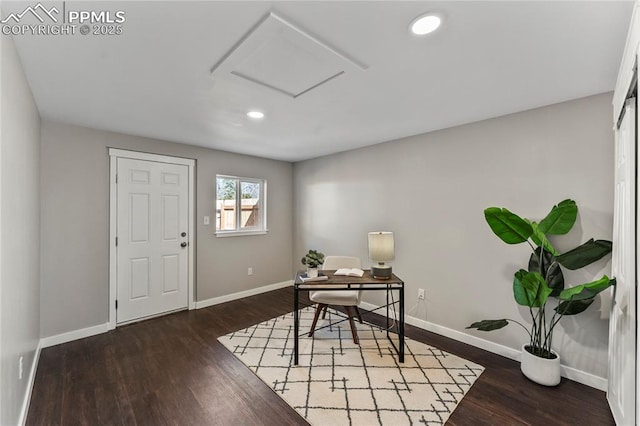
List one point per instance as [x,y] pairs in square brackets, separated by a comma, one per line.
[73,335]
[234,296]
[496,348]
[103,328]
[32,379]
[585,378]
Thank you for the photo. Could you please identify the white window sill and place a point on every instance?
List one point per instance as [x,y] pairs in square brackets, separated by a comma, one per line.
[222,234]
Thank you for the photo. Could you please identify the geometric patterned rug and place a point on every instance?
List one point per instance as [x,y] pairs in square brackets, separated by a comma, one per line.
[340,383]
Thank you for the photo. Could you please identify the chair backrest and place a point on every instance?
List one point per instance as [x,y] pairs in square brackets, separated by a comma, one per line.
[337,262]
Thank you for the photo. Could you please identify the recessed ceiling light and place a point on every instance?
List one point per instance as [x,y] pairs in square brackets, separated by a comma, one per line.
[425,24]
[255,114]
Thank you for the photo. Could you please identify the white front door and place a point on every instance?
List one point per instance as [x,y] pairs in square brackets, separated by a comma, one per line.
[152,238]
[621,392]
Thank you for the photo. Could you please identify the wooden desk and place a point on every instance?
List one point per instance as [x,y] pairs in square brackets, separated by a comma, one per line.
[340,282]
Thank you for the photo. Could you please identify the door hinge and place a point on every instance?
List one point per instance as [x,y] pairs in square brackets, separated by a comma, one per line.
[116,303]
[116,178]
[116,241]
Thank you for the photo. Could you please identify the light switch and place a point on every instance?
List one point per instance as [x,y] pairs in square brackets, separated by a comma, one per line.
[206,220]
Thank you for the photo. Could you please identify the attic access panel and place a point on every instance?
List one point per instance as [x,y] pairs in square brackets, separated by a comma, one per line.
[280,56]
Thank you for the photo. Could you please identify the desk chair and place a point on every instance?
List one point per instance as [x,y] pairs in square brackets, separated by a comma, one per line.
[346,298]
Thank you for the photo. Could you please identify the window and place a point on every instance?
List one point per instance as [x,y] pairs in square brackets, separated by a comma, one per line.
[240,206]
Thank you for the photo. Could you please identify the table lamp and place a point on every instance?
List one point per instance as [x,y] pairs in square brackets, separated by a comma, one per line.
[381,250]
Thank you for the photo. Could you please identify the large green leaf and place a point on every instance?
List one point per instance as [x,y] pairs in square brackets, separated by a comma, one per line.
[536,284]
[509,227]
[540,239]
[530,289]
[577,299]
[550,270]
[585,254]
[560,219]
[519,292]
[586,291]
[489,325]
[573,307]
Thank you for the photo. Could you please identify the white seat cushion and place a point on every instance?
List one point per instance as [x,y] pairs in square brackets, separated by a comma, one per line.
[340,298]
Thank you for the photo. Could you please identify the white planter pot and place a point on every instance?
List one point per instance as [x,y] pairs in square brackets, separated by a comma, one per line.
[540,370]
[312,272]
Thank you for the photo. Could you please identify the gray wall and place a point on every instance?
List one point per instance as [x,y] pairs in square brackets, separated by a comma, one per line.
[431,190]
[20,229]
[75,224]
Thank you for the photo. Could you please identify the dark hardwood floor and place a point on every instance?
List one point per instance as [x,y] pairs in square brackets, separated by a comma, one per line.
[172,371]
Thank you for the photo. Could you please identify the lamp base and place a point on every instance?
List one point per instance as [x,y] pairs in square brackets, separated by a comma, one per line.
[381,272]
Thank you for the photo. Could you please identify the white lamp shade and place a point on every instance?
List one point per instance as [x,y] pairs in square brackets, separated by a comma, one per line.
[381,248]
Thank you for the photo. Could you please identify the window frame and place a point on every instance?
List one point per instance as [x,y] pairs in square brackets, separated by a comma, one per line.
[262,208]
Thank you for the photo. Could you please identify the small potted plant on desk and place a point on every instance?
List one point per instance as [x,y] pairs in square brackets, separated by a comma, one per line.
[312,260]
[543,280]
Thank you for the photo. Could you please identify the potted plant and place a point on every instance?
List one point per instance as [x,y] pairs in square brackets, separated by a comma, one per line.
[543,281]
[312,260]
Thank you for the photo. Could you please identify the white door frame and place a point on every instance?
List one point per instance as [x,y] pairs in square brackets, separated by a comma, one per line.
[624,83]
[114,154]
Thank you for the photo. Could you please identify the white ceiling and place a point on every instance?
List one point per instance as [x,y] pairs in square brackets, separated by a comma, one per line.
[179,70]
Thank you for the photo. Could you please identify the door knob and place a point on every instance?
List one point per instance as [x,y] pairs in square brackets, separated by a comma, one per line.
[184,234]
[183,245]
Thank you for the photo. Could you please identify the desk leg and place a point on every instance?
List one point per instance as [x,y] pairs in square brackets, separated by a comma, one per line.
[387,327]
[296,325]
[401,326]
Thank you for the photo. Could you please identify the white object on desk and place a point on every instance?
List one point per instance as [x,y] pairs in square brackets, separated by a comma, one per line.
[351,272]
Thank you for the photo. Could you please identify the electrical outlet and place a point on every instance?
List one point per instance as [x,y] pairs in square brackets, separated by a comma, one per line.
[249,271]
[20,367]
[421,293]
[206,220]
